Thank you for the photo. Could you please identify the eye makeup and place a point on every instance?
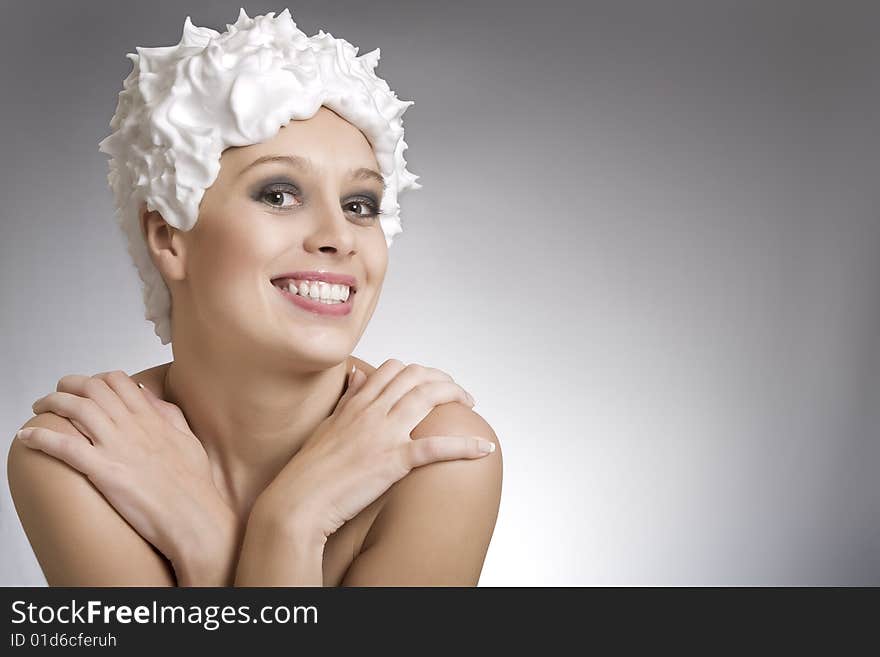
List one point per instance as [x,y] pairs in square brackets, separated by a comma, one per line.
[281,185]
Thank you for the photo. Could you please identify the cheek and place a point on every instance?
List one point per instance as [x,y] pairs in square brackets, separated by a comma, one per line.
[233,254]
[377,264]
[374,252]
[378,270]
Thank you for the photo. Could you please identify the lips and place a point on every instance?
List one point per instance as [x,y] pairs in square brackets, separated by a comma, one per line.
[325,276]
[317,307]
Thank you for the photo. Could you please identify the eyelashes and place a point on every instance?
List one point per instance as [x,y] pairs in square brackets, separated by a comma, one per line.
[277,195]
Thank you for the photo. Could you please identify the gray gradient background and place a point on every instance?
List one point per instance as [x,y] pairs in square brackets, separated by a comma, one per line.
[673,207]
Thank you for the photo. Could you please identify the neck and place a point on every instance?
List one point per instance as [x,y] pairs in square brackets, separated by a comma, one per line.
[251,419]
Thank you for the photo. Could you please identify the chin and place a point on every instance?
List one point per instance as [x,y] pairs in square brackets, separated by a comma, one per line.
[275,340]
[321,354]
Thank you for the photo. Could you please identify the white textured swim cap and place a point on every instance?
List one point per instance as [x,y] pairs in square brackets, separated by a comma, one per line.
[182,106]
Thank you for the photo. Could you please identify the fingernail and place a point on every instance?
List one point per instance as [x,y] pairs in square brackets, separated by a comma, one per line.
[487,446]
[472,400]
[24,434]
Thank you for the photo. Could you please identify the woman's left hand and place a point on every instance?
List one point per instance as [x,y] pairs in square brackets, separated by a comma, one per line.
[151,468]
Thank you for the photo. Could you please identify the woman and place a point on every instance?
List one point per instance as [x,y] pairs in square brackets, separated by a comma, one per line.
[256,175]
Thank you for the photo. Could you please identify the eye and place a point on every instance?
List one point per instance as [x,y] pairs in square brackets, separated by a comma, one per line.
[275,196]
[364,208]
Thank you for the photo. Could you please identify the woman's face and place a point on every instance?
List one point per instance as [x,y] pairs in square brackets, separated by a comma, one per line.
[315,210]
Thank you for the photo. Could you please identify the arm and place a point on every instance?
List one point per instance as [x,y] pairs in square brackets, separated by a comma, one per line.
[77,537]
[138,453]
[434,528]
[280,551]
[80,539]
[436,525]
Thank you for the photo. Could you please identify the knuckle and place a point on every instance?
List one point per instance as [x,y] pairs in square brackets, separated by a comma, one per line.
[94,386]
[442,374]
[116,376]
[421,391]
[430,449]
[93,406]
[111,469]
[63,382]
[401,460]
[173,408]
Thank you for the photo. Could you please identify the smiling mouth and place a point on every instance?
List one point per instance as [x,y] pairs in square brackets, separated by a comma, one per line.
[318,291]
[317,297]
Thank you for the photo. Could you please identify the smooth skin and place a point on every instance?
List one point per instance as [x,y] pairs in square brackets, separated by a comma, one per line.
[296,477]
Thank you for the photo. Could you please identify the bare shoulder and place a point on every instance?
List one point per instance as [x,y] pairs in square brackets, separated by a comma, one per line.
[462,487]
[435,525]
[453,419]
[77,536]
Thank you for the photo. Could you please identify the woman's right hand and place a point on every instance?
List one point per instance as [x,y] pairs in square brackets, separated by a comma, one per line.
[364,446]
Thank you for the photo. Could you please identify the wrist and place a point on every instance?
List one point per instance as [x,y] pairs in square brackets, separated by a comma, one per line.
[297,526]
[280,550]
[206,552]
[204,570]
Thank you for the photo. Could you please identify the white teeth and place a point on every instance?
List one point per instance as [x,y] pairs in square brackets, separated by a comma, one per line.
[320,291]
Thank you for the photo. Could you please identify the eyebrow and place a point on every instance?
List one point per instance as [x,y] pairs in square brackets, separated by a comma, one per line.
[360,173]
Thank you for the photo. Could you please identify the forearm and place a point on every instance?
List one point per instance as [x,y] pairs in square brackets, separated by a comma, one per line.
[206,555]
[216,569]
[280,551]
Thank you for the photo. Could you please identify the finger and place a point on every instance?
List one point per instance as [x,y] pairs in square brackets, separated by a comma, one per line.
[88,414]
[81,429]
[170,412]
[375,383]
[96,390]
[126,389]
[349,391]
[355,383]
[418,402]
[446,448]
[77,453]
[410,377]
[155,402]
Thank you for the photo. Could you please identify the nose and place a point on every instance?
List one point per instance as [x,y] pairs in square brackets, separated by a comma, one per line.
[332,232]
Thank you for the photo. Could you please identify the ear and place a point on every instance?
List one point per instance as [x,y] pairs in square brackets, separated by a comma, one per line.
[165,244]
